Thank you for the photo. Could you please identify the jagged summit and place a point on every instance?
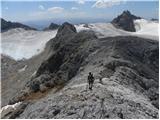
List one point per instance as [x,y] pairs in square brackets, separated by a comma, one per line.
[52,26]
[66,28]
[6,25]
[128,14]
[125,21]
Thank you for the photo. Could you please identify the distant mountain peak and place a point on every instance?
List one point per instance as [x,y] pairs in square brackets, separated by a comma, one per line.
[66,28]
[52,26]
[126,12]
[125,21]
[6,25]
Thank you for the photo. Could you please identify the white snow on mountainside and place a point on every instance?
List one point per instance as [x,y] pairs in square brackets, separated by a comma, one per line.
[102,29]
[19,43]
[145,27]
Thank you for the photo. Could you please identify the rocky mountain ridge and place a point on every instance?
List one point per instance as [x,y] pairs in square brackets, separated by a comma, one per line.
[6,25]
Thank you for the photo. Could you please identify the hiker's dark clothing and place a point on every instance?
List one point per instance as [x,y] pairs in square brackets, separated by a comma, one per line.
[90,81]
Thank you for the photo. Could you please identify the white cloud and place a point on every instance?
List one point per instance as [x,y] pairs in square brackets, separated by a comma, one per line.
[74,8]
[41,7]
[81,1]
[55,9]
[107,3]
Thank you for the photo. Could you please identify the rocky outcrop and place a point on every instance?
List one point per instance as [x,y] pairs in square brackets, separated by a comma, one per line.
[154,19]
[65,29]
[137,60]
[6,25]
[68,51]
[52,26]
[125,21]
[13,111]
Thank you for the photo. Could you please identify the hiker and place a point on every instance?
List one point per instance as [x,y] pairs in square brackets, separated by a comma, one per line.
[90,80]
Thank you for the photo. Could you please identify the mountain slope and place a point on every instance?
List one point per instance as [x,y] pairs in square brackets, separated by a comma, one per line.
[7,25]
[31,43]
[127,65]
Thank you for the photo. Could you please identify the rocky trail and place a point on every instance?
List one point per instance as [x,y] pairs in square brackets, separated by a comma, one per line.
[108,100]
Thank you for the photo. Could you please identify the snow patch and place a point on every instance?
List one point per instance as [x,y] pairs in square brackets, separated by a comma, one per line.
[34,74]
[107,30]
[23,44]
[102,29]
[22,69]
[81,27]
[146,27]
[9,108]
[19,43]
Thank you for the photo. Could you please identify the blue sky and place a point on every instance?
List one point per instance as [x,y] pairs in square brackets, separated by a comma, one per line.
[80,10]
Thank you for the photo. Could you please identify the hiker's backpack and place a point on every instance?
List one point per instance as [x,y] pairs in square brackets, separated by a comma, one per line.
[90,78]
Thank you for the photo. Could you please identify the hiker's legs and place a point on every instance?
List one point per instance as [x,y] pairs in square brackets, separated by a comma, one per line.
[100,80]
[90,87]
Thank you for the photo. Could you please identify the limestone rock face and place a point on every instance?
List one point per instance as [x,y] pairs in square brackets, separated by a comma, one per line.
[125,21]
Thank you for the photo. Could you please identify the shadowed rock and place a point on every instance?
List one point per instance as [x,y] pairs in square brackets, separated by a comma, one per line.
[67,54]
[125,21]
[52,26]
[6,25]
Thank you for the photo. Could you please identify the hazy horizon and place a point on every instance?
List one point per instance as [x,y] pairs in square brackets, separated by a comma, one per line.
[40,14]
